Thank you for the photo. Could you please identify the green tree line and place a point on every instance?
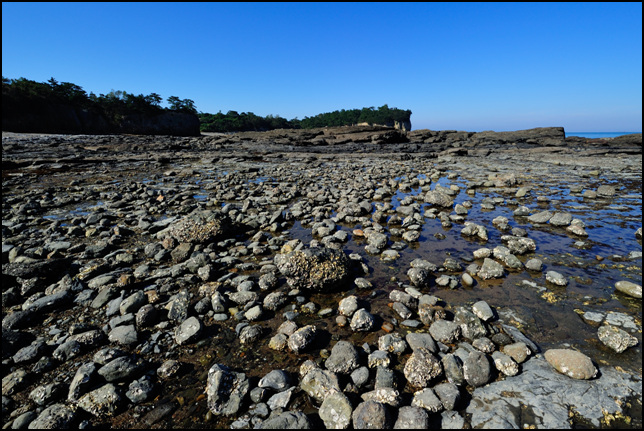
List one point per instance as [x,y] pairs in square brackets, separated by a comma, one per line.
[29,95]
[232,121]
[114,105]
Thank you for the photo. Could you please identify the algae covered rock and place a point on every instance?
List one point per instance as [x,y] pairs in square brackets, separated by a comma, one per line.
[317,269]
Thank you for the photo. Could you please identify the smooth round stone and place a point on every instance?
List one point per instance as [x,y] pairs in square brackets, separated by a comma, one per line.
[411,323]
[571,363]
[254,313]
[593,318]
[360,376]
[467,279]
[277,380]
[629,288]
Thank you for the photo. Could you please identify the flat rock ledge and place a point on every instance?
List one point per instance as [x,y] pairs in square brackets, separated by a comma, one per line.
[550,396]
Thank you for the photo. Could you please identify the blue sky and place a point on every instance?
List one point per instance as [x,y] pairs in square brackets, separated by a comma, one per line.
[464,66]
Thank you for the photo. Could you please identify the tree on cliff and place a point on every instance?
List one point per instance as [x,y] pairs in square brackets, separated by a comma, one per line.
[383,115]
[232,121]
[184,105]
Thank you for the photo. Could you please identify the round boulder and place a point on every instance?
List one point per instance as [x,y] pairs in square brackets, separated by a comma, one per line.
[318,269]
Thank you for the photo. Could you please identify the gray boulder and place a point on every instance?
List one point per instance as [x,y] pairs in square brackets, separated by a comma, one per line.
[287,420]
[336,411]
[105,400]
[476,369]
[301,338]
[438,198]
[56,416]
[188,331]
[371,415]
[277,380]
[362,320]
[200,227]
[226,390]
[412,417]
[445,331]
[319,383]
[490,269]
[344,358]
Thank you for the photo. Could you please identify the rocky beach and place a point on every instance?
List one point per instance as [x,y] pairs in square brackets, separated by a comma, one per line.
[350,277]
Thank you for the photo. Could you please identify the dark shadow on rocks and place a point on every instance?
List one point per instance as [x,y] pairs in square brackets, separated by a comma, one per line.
[321,340]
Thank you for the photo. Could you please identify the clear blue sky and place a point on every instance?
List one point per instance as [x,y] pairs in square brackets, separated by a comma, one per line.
[464,66]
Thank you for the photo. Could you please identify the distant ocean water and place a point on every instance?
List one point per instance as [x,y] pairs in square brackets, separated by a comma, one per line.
[592,135]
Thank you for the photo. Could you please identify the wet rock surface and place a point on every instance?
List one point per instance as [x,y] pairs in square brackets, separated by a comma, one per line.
[351,277]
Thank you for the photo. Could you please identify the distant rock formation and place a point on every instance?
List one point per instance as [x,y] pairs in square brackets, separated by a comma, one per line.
[404,126]
[541,135]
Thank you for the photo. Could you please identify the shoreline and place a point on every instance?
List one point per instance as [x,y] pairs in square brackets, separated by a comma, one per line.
[105,206]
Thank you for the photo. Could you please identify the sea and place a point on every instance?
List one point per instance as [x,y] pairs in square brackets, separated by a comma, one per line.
[593,135]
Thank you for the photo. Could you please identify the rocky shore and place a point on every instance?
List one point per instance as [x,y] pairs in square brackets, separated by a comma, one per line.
[356,277]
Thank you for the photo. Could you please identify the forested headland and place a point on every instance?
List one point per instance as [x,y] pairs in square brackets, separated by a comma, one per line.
[64,107]
[233,121]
